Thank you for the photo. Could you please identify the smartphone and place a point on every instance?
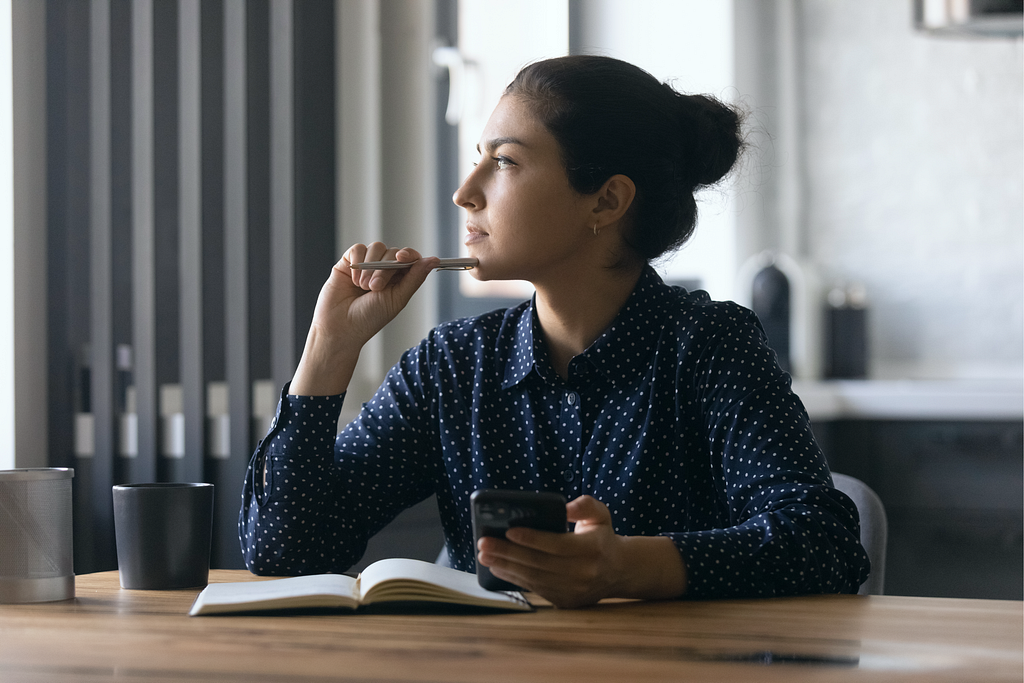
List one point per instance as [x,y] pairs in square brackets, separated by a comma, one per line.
[494,511]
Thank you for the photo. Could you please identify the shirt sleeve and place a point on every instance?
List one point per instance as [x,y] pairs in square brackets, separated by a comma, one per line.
[290,492]
[325,494]
[792,532]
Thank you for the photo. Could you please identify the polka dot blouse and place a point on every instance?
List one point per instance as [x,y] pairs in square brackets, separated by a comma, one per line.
[677,418]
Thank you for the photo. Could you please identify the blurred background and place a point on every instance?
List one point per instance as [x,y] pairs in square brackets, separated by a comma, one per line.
[179,176]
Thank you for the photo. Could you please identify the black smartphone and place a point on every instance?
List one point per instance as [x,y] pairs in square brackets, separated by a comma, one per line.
[494,511]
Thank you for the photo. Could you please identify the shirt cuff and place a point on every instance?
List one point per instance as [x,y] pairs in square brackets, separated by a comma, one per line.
[720,563]
[302,417]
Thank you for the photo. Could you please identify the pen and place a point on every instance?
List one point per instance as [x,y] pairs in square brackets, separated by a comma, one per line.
[445,264]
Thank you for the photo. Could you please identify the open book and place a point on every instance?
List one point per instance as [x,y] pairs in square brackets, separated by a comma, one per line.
[391,580]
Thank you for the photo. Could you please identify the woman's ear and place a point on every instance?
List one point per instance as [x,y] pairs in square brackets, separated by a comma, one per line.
[613,200]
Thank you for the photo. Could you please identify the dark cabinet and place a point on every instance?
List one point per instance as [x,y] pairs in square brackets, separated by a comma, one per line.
[953,492]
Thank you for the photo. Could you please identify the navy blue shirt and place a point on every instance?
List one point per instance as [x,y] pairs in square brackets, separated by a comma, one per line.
[677,418]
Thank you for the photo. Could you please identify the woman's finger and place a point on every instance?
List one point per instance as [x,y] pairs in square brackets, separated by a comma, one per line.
[498,550]
[547,542]
[522,566]
[587,512]
[379,279]
[375,251]
[355,254]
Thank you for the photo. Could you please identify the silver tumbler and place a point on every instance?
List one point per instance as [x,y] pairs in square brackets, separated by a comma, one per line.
[36,552]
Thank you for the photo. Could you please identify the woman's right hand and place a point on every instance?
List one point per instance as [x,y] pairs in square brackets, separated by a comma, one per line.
[353,306]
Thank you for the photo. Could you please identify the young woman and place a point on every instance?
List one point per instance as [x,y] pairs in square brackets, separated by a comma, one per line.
[661,415]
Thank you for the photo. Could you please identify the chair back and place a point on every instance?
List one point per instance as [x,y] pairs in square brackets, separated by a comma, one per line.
[874,528]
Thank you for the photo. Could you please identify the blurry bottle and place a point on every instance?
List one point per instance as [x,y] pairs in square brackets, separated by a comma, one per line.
[784,294]
[770,300]
[846,338]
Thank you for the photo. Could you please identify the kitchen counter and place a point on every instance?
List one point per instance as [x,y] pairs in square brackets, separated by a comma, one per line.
[912,399]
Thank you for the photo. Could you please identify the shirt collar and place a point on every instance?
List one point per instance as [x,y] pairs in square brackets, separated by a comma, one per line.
[617,354]
[522,358]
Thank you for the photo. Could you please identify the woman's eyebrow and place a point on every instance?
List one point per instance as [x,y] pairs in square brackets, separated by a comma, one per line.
[494,144]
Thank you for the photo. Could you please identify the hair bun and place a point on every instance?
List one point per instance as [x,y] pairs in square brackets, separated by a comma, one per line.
[711,138]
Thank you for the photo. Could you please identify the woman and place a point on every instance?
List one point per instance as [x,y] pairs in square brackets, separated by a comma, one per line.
[662,416]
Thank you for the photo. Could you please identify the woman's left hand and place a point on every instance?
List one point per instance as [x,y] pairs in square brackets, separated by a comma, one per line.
[577,569]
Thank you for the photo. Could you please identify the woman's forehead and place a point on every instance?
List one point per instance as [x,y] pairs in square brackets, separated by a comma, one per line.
[513,123]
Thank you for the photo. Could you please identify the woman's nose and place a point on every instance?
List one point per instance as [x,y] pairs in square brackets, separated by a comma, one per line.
[468,195]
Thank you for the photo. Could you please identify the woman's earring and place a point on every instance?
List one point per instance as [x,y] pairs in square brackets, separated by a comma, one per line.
[597,230]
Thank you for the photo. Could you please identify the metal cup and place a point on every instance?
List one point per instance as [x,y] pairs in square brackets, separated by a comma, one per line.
[36,549]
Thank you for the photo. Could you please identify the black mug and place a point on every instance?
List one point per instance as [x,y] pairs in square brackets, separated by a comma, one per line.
[163,534]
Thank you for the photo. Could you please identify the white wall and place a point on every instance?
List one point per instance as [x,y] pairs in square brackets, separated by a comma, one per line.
[913,148]
[386,164]
[7,290]
[23,375]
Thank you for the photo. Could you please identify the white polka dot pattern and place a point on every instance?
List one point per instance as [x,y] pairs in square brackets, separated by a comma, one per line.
[678,418]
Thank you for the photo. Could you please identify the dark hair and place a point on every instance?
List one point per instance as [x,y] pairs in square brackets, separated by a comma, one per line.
[612,117]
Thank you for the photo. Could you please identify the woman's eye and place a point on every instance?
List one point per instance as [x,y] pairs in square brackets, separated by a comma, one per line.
[503,163]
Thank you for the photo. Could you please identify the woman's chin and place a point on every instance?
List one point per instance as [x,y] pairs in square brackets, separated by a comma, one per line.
[479,271]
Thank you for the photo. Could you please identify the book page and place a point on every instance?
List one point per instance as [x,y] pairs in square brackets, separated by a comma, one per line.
[319,590]
[396,579]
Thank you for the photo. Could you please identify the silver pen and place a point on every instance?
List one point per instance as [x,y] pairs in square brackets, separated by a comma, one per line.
[445,264]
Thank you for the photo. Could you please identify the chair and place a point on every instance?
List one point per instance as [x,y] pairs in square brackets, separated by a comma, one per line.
[874,528]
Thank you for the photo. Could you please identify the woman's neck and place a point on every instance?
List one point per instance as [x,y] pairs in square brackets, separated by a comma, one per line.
[575,311]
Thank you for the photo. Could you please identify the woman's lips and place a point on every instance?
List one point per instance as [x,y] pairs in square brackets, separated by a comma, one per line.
[475,236]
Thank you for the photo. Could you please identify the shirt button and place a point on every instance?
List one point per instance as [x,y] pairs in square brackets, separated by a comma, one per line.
[568,475]
[571,398]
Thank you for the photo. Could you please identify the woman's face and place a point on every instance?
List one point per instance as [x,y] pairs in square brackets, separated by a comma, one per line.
[523,219]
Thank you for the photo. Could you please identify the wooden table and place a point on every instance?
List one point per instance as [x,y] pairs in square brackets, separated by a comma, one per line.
[107,633]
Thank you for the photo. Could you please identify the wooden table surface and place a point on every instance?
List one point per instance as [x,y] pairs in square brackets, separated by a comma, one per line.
[107,633]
